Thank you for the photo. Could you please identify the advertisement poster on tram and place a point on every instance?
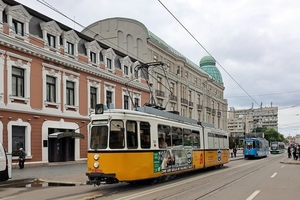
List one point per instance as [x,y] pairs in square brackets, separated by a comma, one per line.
[172,160]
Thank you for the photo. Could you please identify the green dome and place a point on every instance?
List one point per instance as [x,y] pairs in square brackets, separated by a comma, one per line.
[208,64]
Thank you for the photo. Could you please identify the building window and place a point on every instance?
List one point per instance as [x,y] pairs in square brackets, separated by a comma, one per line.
[70,48]
[126,102]
[18,27]
[93,94]
[51,89]
[108,63]
[93,57]
[108,98]
[18,139]
[51,40]
[136,73]
[70,96]
[125,70]
[136,102]
[17,82]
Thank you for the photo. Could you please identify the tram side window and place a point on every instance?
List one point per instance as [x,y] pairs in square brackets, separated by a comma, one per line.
[195,139]
[187,133]
[164,137]
[176,136]
[145,135]
[131,127]
[116,134]
[99,137]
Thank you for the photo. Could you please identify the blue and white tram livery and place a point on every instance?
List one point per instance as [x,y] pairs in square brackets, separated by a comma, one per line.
[256,147]
[149,144]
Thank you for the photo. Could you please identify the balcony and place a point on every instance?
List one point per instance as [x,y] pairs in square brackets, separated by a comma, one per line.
[191,104]
[159,93]
[184,101]
[208,109]
[219,113]
[214,111]
[173,98]
[199,107]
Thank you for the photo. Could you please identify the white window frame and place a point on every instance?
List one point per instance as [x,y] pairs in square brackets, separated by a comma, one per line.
[110,54]
[137,95]
[95,48]
[20,14]
[112,88]
[53,71]
[19,62]
[125,93]
[2,7]
[2,60]
[19,122]
[53,29]
[136,63]
[71,37]
[93,82]
[73,77]
[126,62]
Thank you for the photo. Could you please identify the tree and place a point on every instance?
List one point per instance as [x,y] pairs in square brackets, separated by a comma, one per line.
[273,135]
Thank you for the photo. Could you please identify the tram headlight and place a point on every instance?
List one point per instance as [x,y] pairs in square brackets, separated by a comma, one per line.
[96,156]
[96,164]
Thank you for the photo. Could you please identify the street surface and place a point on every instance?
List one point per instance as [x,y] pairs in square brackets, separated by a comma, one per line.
[260,179]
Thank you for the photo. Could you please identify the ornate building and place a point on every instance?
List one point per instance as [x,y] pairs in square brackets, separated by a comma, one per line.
[51,78]
[181,85]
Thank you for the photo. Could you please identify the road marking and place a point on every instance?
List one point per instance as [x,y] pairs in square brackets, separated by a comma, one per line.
[274,175]
[147,192]
[253,195]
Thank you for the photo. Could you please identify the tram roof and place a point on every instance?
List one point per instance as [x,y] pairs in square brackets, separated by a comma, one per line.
[149,111]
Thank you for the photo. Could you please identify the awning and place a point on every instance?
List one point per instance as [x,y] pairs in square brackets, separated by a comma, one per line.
[59,135]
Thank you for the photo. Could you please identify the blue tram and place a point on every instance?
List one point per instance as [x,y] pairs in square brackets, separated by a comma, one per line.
[256,148]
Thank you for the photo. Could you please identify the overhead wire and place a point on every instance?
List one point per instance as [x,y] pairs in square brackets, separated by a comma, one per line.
[207,51]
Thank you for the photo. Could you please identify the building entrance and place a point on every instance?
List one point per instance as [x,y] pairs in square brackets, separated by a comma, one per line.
[62,149]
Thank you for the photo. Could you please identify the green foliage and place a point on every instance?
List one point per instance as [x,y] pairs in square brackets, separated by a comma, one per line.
[273,135]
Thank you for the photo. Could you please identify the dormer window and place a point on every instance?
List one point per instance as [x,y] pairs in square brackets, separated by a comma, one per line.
[70,48]
[51,35]
[70,42]
[109,58]
[51,41]
[125,70]
[108,63]
[18,20]
[93,57]
[93,52]
[18,27]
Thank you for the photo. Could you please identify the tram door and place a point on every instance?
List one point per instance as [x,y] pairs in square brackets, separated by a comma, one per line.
[61,150]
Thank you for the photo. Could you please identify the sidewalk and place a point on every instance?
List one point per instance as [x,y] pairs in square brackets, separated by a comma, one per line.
[63,172]
[291,161]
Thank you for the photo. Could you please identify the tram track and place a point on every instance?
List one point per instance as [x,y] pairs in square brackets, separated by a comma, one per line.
[203,182]
[216,180]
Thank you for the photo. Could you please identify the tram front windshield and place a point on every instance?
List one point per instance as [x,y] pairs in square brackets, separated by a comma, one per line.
[249,145]
[274,146]
[99,137]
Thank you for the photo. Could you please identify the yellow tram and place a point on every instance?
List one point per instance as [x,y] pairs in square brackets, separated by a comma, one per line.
[149,144]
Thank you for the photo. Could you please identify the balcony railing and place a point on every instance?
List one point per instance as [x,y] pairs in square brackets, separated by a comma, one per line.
[219,113]
[191,104]
[184,101]
[159,93]
[173,98]
[208,109]
[199,107]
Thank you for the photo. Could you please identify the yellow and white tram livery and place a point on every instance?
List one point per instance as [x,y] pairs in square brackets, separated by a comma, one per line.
[149,144]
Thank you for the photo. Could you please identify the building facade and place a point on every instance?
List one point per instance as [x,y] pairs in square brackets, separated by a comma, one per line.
[51,78]
[195,91]
[245,120]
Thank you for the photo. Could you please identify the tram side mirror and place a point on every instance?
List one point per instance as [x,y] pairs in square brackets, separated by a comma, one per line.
[99,109]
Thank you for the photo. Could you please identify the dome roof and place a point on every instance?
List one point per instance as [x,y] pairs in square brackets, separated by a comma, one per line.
[208,64]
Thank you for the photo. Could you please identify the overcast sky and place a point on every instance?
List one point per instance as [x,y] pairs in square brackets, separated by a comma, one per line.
[255,42]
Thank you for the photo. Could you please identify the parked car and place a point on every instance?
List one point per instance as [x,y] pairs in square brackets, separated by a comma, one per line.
[3,164]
